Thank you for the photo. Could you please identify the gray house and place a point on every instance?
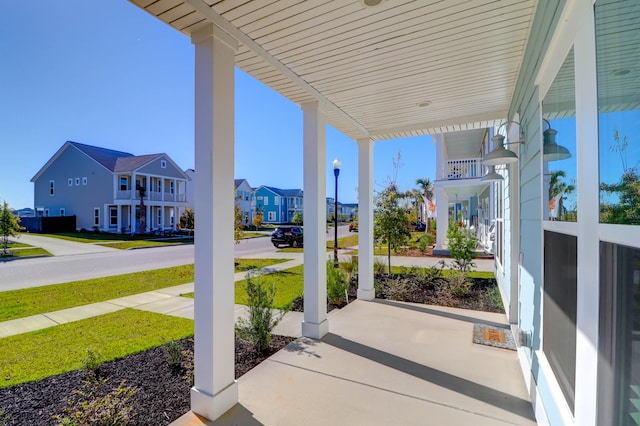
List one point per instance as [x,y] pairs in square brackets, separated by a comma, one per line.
[111,190]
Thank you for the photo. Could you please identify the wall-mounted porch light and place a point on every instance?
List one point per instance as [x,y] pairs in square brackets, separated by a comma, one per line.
[492,176]
[501,155]
[551,150]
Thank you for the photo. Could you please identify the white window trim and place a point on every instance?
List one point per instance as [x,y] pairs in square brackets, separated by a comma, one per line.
[96,217]
[77,181]
[70,182]
[84,180]
[52,188]
[163,164]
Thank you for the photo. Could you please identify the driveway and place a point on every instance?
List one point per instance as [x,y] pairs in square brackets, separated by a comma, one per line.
[59,247]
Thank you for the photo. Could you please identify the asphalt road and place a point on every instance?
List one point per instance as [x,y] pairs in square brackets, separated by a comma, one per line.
[24,273]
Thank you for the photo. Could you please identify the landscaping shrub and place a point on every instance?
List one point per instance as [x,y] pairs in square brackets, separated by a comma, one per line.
[461,245]
[263,317]
[350,267]
[379,267]
[337,284]
[91,363]
[425,241]
[173,349]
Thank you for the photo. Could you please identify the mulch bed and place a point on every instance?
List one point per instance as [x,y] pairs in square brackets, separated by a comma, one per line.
[163,391]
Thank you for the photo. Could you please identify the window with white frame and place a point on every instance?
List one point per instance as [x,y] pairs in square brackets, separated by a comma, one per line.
[163,164]
[272,216]
[266,201]
[84,180]
[276,200]
[113,216]
[96,216]
[52,187]
[70,182]
[160,217]
[124,183]
[77,181]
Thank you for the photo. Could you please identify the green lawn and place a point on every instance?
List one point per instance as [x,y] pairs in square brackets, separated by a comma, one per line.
[289,285]
[31,301]
[344,242]
[17,245]
[26,302]
[25,252]
[125,245]
[43,353]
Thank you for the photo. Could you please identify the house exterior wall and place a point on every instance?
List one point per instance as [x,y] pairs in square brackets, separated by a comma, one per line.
[154,168]
[79,200]
[243,200]
[265,201]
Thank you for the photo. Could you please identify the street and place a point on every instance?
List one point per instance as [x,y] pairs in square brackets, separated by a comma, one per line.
[24,273]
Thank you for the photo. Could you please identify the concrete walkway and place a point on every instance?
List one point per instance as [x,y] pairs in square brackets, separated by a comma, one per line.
[386,363]
[60,247]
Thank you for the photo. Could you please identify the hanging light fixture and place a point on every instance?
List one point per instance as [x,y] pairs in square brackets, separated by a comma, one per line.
[551,150]
[492,176]
[501,155]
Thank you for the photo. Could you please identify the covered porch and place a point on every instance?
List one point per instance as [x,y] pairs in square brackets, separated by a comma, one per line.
[374,71]
[386,363]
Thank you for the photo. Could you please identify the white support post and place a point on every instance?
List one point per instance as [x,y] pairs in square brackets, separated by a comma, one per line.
[365,219]
[315,323]
[442,219]
[215,390]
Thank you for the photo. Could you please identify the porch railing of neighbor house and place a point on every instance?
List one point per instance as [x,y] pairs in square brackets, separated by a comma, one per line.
[168,196]
[123,195]
[466,168]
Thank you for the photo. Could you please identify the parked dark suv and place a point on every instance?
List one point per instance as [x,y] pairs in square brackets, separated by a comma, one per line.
[287,235]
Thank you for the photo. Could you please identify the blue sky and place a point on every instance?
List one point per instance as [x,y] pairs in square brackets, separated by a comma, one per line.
[103,72]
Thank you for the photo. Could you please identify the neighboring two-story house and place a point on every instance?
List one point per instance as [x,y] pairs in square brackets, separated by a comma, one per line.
[277,205]
[244,192]
[110,190]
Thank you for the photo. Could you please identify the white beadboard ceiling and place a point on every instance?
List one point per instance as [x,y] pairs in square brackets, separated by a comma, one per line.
[373,67]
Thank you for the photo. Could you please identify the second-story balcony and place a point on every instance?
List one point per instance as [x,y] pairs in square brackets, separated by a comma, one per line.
[464,168]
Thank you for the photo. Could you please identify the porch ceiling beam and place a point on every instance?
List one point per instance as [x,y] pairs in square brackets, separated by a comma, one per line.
[213,16]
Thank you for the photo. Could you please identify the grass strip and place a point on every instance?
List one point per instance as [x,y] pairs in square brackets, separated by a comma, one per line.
[125,245]
[289,285]
[25,252]
[26,302]
[31,301]
[55,350]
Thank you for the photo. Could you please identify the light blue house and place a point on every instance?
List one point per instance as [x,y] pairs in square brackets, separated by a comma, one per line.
[277,205]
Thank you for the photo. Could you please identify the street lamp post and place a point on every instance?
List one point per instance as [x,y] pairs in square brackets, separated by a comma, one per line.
[336,172]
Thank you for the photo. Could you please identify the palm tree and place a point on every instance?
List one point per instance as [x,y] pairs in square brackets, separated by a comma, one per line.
[558,186]
[426,188]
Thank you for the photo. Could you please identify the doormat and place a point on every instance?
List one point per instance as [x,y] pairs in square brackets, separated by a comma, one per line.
[500,337]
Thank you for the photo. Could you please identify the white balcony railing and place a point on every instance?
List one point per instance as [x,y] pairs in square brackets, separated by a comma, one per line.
[467,168]
[123,195]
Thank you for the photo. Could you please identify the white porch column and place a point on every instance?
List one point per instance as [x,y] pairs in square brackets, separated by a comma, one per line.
[365,219]
[215,390]
[315,323]
[442,219]
[106,219]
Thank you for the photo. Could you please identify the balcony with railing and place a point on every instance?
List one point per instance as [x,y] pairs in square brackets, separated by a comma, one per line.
[464,168]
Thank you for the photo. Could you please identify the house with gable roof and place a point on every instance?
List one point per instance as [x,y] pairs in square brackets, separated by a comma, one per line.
[111,191]
[277,205]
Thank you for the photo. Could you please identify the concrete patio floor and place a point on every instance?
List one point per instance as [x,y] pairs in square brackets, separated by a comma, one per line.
[386,363]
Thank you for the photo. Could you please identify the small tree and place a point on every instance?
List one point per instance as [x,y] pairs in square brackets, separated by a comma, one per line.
[257,220]
[461,245]
[263,318]
[391,221]
[297,218]
[187,220]
[237,224]
[9,226]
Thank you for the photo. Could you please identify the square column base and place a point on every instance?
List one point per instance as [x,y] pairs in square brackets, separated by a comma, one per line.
[212,407]
[315,331]
[366,294]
